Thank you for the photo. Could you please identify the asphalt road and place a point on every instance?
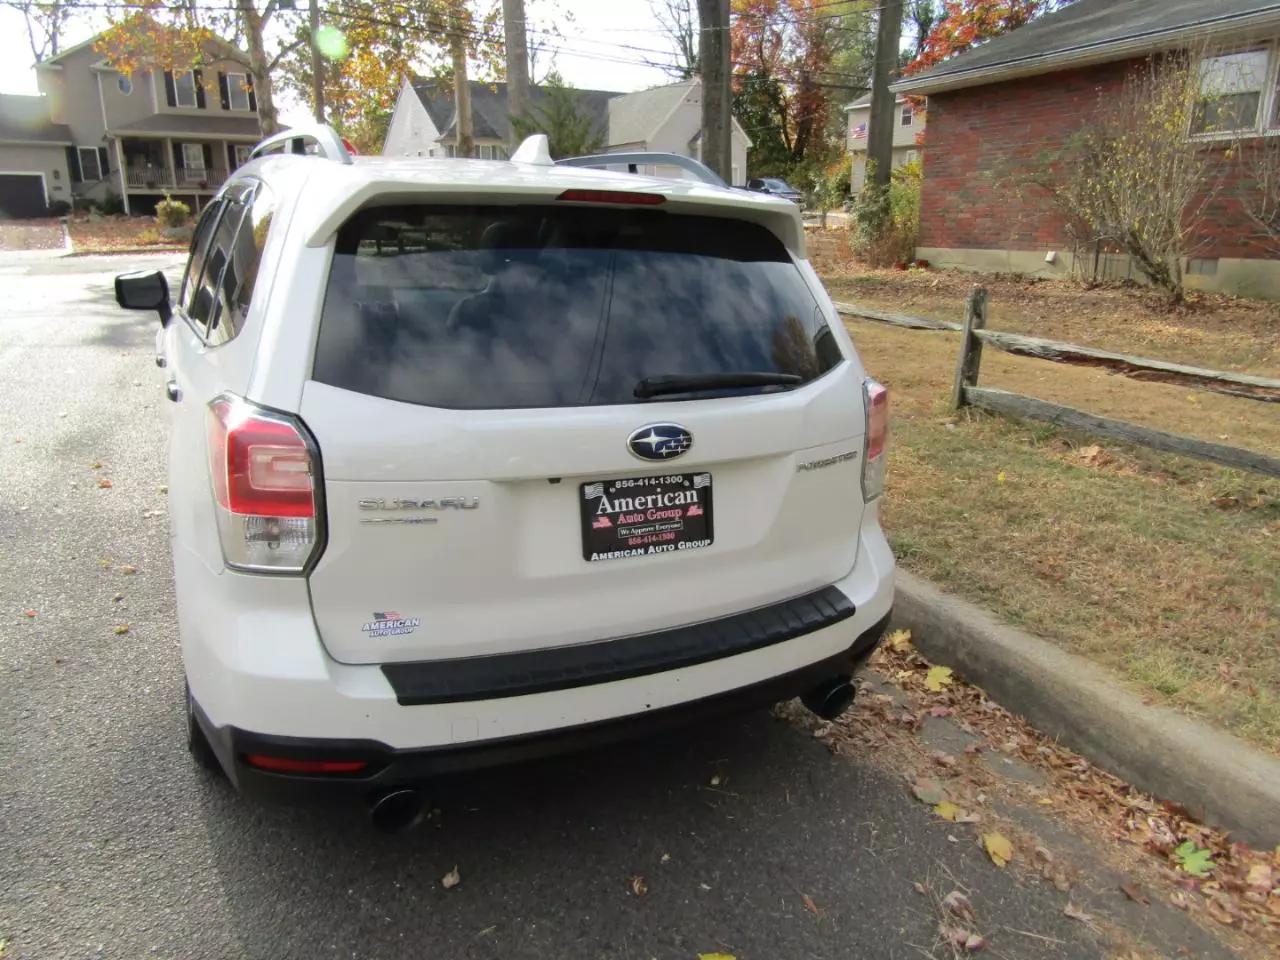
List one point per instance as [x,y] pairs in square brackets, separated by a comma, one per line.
[112,844]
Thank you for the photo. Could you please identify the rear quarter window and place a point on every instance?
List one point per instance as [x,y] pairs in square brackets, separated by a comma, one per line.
[549,306]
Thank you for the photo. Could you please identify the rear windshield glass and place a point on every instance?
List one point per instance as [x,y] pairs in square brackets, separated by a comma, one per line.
[538,306]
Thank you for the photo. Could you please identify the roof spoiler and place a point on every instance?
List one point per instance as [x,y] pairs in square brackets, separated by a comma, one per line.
[633,161]
[319,139]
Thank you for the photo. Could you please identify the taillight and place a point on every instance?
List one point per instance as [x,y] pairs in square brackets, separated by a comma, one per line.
[290,765]
[263,473]
[875,403]
[612,196]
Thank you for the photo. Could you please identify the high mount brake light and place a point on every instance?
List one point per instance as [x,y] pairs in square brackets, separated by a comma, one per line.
[875,402]
[263,472]
[612,196]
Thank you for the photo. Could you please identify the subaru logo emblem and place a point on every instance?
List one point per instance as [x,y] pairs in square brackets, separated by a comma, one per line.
[659,441]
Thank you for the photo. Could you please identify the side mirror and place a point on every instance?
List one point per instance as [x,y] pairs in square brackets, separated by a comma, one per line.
[144,290]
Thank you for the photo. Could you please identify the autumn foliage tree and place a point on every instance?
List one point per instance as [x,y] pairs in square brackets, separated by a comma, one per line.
[965,23]
[782,52]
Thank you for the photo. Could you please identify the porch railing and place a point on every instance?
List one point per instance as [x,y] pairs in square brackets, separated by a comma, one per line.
[188,178]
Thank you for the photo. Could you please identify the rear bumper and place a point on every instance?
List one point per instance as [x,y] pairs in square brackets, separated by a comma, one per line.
[261,678]
[387,767]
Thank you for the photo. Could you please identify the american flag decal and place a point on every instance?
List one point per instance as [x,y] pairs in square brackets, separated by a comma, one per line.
[388,615]
[701,480]
[592,491]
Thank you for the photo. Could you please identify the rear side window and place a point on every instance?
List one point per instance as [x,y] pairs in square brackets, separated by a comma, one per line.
[547,306]
[224,262]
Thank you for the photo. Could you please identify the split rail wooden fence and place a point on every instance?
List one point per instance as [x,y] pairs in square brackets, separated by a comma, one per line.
[966,392]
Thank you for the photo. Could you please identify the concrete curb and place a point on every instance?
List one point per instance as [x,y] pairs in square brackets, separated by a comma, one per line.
[1220,779]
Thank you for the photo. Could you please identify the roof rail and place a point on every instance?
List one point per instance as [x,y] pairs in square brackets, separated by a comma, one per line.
[634,160]
[317,138]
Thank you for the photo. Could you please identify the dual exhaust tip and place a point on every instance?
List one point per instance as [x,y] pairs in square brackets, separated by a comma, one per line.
[400,809]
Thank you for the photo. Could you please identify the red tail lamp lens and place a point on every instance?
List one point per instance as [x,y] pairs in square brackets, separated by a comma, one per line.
[290,765]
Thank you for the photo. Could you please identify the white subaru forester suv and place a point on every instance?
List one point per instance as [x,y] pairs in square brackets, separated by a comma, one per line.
[472,461]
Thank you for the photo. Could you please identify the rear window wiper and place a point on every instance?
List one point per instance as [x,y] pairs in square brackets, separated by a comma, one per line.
[688,383]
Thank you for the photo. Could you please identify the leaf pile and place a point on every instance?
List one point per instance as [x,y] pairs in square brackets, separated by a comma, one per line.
[1200,868]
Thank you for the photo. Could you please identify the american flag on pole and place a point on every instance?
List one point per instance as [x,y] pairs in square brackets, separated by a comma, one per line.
[860,132]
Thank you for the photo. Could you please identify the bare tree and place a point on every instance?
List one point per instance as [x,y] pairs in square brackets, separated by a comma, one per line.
[45,23]
[1260,191]
[679,21]
[1131,180]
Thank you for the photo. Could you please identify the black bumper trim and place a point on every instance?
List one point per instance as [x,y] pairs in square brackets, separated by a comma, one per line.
[389,767]
[587,664]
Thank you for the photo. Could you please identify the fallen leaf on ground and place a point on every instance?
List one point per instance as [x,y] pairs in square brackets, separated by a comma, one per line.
[122,628]
[900,640]
[1000,477]
[957,904]
[973,943]
[665,858]
[943,759]
[127,568]
[104,483]
[118,597]
[451,879]
[940,712]
[1077,913]
[810,905]
[1194,860]
[938,679]
[1179,899]
[639,885]
[96,465]
[998,848]
[947,810]
[716,956]
[929,791]
[1134,893]
[28,613]
[1260,877]
[918,887]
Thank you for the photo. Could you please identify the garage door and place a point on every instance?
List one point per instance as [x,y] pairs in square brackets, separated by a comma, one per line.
[22,195]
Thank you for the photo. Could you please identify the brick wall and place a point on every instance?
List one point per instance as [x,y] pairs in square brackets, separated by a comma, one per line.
[976,135]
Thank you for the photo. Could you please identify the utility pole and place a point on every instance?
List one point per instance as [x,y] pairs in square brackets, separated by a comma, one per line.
[317,61]
[713,57]
[518,101]
[880,123]
[461,87]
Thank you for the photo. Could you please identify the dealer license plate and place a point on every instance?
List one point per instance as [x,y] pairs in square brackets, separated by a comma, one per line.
[640,516]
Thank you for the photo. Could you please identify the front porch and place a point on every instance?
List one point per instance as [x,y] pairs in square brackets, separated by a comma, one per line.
[166,165]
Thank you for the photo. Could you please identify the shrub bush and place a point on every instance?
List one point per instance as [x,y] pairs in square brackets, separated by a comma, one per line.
[886,222]
[172,213]
[112,205]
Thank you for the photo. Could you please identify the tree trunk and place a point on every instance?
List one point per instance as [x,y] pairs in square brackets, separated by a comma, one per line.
[713,57]
[317,62]
[518,99]
[461,89]
[253,23]
[880,124]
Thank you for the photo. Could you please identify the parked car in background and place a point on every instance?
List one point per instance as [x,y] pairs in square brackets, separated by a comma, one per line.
[776,188]
[426,515]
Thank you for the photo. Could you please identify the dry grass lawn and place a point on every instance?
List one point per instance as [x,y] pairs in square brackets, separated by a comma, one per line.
[118,234]
[1164,568]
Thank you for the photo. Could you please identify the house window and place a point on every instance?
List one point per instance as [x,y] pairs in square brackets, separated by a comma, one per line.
[238,91]
[907,114]
[1232,89]
[125,83]
[184,88]
[193,157]
[90,169]
[242,154]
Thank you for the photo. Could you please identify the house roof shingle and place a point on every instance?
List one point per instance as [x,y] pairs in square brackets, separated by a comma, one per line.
[1091,31]
[637,116]
[489,115]
[27,118]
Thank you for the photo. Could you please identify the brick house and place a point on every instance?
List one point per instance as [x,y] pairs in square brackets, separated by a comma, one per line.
[1010,102]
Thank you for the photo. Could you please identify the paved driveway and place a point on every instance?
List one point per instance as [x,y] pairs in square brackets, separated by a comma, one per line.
[113,845]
